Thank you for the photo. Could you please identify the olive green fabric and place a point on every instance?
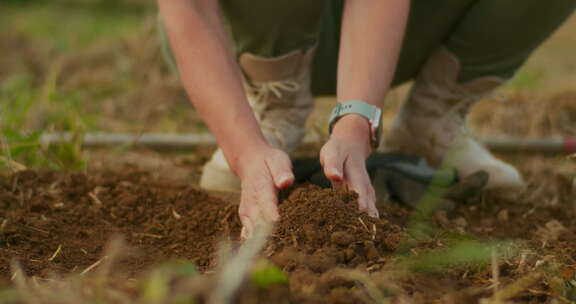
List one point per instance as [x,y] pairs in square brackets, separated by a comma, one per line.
[270,28]
[495,37]
[490,37]
[430,23]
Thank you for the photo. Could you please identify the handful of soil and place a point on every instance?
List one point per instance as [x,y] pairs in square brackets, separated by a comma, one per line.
[404,178]
[323,228]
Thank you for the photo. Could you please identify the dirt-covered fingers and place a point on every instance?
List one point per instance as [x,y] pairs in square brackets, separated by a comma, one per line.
[357,179]
[257,208]
[344,165]
[249,216]
[262,174]
[260,194]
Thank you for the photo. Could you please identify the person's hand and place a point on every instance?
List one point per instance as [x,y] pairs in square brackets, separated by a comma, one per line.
[343,158]
[263,171]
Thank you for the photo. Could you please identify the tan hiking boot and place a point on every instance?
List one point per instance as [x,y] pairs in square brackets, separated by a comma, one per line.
[432,123]
[278,90]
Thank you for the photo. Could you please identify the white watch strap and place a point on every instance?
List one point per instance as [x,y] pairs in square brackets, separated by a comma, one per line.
[371,113]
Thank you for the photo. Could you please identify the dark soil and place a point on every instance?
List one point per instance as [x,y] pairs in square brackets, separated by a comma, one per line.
[44,210]
[320,232]
[326,227]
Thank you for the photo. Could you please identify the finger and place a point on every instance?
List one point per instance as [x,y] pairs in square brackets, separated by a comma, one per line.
[267,200]
[247,230]
[262,194]
[249,214]
[332,160]
[339,185]
[281,170]
[247,227]
[357,179]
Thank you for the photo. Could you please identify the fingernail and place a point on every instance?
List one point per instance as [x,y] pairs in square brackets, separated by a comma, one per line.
[336,172]
[246,229]
[285,179]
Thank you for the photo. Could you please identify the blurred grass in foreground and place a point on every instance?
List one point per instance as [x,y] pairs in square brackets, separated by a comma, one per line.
[241,275]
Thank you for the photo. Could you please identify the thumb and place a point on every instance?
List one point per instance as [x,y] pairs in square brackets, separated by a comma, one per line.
[333,162]
[281,170]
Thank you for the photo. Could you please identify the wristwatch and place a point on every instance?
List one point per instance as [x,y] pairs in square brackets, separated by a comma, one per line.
[368,111]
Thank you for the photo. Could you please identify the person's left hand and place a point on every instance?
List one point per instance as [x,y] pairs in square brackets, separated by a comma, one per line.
[343,158]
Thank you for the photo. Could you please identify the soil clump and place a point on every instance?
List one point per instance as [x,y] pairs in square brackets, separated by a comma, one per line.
[327,227]
[320,232]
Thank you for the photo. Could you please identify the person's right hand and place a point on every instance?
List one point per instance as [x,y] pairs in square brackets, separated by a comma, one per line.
[263,171]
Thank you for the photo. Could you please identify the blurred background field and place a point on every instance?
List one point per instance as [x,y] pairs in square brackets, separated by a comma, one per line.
[93,65]
[96,66]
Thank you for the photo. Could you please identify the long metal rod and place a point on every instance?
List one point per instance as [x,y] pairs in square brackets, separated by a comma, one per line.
[190,141]
[536,145]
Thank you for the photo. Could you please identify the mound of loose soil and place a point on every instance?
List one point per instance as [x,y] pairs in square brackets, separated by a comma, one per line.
[326,225]
[61,222]
[42,211]
[320,231]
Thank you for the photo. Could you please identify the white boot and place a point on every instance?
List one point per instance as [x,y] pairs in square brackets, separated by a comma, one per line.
[432,123]
[278,90]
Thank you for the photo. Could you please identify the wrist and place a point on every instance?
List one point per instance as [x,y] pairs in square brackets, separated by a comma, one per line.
[360,113]
[240,152]
[355,129]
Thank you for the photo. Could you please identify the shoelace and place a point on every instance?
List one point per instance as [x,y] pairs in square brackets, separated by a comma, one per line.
[262,90]
[260,100]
